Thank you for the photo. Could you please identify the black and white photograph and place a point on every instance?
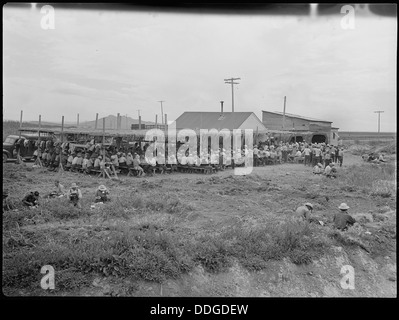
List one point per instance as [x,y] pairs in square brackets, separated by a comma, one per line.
[199,151]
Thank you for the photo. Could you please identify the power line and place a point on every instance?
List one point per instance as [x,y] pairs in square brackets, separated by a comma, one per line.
[231,81]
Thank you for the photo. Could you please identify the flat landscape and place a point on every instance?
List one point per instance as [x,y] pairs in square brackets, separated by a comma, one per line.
[216,235]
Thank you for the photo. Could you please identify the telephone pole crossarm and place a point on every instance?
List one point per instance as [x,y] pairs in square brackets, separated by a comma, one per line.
[231,81]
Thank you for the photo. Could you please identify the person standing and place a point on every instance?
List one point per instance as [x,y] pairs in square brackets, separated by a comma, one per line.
[317,155]
[327,157]
[306,153]
[340,156]
[333,152]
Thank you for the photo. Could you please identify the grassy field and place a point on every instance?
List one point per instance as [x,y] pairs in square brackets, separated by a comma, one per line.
[179,230]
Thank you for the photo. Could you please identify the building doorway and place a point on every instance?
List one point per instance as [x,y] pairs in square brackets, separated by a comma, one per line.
[296,139]
[319,138]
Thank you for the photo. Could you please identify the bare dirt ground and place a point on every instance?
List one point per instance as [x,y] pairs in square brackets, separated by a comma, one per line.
[218,203]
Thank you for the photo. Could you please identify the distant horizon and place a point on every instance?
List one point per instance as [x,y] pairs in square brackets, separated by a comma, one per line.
[104,61]
[170,122]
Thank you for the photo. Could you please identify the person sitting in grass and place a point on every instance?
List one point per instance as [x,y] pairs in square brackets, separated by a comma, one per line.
[327,171]
[330,171]
[74,195]
[31,200]
[342,220]
[59,192]
[304,211]
[333,173]
[318,168]
[7,203]
[102,194]
[381,158]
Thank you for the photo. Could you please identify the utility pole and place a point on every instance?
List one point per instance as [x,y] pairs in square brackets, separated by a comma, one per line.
[231,81]
[379,113]
[161,109]
[139,119]
[284,112]
[96,121]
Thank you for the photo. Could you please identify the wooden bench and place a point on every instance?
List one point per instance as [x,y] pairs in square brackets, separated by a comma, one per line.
[133,172]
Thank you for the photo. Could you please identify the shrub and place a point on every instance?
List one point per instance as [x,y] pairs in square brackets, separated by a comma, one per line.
[146,254]
[212,254]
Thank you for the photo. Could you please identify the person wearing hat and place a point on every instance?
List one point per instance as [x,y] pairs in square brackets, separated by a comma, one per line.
[304,211]
[31,200]
[74,195]
[102,194]
[342,219]
[318,168]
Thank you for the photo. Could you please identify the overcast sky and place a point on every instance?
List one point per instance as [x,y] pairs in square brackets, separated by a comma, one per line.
[121,61]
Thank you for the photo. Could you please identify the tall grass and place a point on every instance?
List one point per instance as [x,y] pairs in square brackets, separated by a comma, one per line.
[371,179]
[147,252]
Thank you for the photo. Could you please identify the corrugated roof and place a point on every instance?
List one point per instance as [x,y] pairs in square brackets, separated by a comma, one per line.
[296,116]
[92,132]
[212,120]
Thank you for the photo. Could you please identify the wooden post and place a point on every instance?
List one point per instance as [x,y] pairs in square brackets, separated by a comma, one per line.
[96,121]
[20,123]
[156,121]
[77,122]
[19,160]
[39,153]
[117,121]
[284,113]
[62,140]
[166,123]
[62,129]
[139,122]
